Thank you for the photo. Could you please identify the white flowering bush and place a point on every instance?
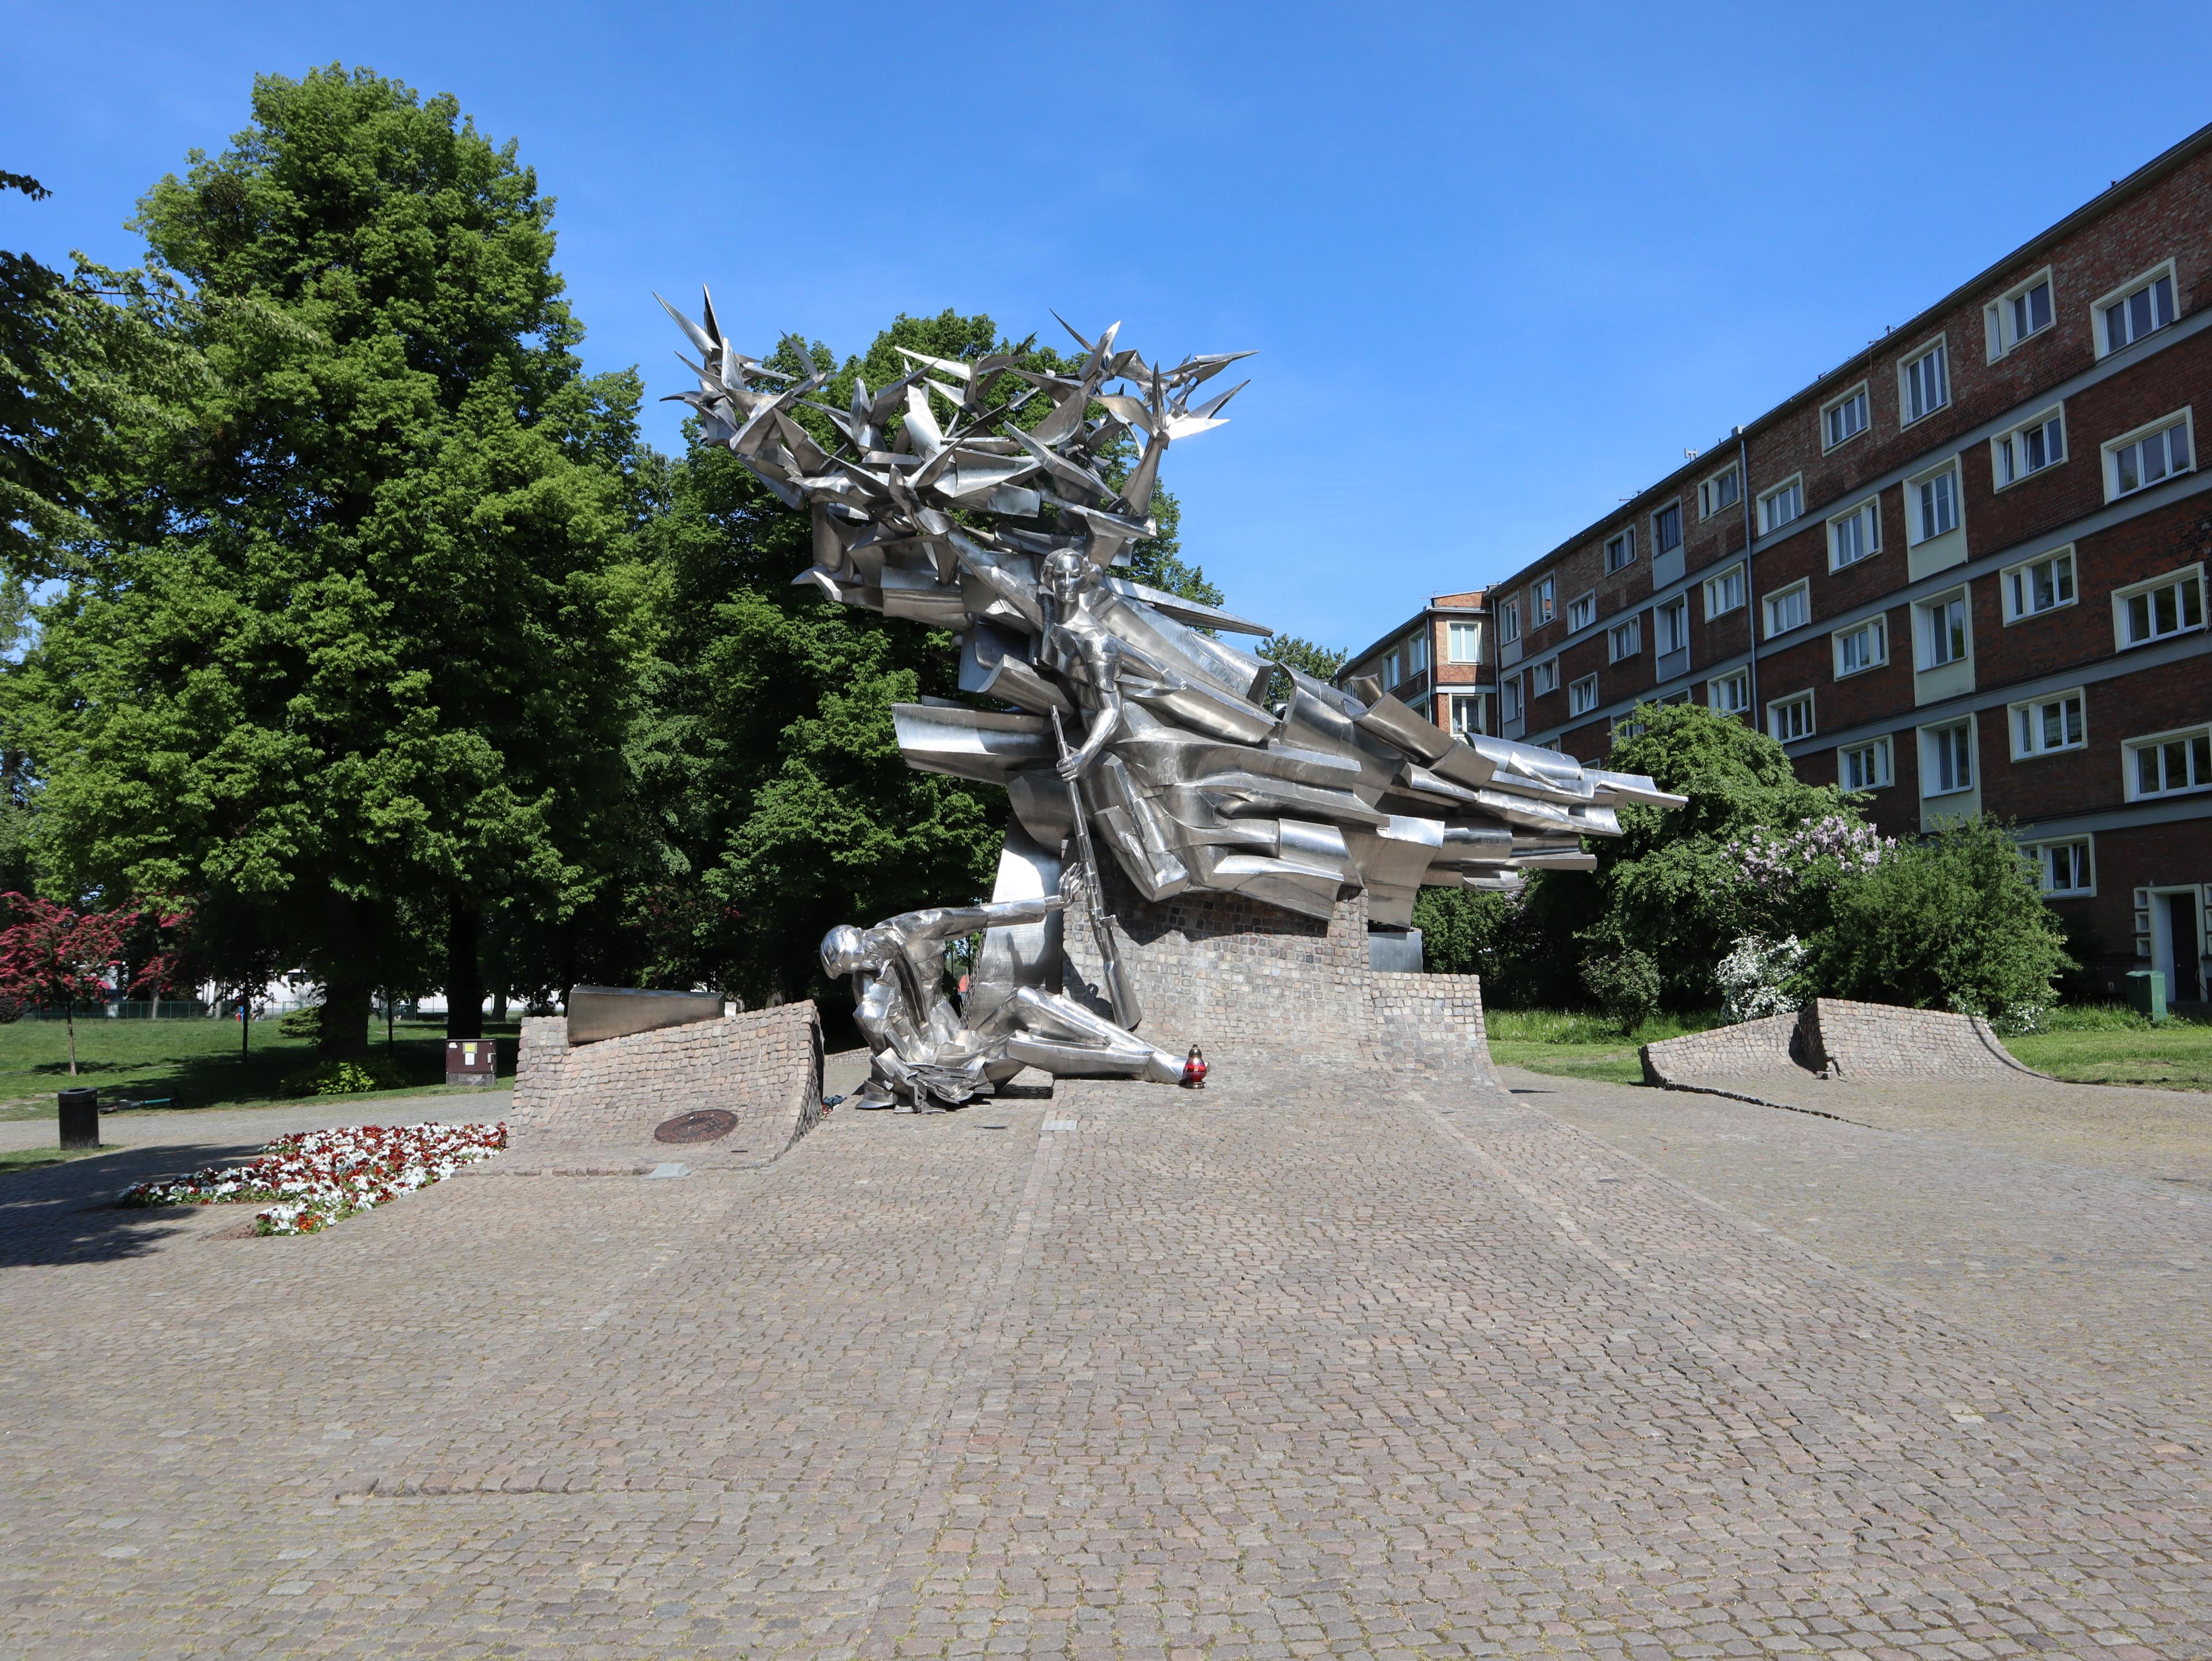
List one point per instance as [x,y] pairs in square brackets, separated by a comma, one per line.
[1755,978]
[1819,852]
[319,1176]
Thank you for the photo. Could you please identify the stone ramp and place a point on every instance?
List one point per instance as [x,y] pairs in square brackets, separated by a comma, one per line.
[1832,1038]
[593,1109]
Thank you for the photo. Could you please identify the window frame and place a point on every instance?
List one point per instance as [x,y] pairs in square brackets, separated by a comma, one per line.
[1922,657]
[1512,702]
[1869,508]
[1864,389]
[2036,750]
[1942,343]
[1997,315]
[1509,621]
[1881,747]
[1739,678]
[1543,600]
[2007,577]
[2129,748]
[2036,850]
[1478,698]
[2180,574]
[1625,537]
[1586,601]
[1679,607]
[1659,544]
[1451,641]
[1949,465]
[1880,624]
[1963,724]
[1792,700]
[2108,452]
[1584,688]
[1709,503]
[1768,527]
[1544,678]
[1720,576]
[1632,624]
[2042,418]
[1767,603]
[2169,268]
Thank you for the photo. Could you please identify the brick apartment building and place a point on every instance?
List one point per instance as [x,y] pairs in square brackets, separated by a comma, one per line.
[1442,661]
[1963,571]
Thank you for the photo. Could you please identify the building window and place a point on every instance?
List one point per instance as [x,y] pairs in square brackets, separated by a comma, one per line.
[1780,505]
[1628,726]
[1581,612]
[1509,621]
[1729,693]
[2038,585]
[1724,592]
[1947,759]
[1544,678]
[1931,503]
[2165,605]
[2169,764]
[1723,490]
[1865,766]
[1790,609]
[2035,444]
[2064,868]
[1863,646]
[2022,313]
[2135,309]
[1944,637]
[1620,550]
[1417,653]
[1624,640]
[1582,696]
[1508,698]
[1463,642]
[1791,718]
[1390,676]
[1470,715]
[2042,725]
[1667,529]
[1856,535]
[1844,418]
[2142,457]
[1670,627]
[1924,383]
[1542,597]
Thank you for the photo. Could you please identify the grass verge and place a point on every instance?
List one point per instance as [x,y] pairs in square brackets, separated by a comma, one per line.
[38,1158]
[1580,1046]
[2103,1048]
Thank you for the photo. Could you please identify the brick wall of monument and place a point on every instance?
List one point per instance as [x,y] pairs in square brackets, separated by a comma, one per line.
[602,1100]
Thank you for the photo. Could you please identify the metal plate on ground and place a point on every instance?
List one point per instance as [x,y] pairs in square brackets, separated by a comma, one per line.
[703,1126]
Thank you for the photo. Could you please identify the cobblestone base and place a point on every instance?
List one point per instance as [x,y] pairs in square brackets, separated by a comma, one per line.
[1840,1038]
[1323,1362]
[1250,981]
[594,1106]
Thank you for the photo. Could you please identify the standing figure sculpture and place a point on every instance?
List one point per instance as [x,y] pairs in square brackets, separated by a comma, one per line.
[978,514]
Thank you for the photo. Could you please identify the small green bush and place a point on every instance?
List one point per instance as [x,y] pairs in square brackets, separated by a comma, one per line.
[303,1023]
[1626,985]
[1952,921]
[346,1078]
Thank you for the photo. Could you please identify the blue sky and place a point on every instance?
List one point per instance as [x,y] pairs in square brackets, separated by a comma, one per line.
[1501,264]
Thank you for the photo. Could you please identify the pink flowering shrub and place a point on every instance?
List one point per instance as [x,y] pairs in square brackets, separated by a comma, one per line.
[318,1177]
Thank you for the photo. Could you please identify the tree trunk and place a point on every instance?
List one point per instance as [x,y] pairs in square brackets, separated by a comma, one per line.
[347,989]
[68,1019]
[464,969]
[499,1005]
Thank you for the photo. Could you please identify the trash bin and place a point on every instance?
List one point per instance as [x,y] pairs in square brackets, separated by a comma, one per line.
[2146,992]
[80,1118]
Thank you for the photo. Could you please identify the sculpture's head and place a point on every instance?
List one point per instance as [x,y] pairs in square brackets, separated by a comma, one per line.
[844,952]
[1066,574]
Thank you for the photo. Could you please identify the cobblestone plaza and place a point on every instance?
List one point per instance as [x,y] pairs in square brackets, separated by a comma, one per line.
[1314,1363]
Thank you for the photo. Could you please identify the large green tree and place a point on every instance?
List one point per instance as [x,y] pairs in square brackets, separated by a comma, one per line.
[348,646]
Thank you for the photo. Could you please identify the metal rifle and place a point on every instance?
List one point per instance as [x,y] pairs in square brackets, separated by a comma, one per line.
[1127,1011]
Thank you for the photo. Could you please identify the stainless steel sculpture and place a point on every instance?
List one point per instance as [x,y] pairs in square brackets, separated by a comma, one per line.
[1008,532]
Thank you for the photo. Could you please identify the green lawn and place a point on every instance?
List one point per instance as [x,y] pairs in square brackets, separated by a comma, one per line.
[2092,1045]
[197,1061]
[1580,1046]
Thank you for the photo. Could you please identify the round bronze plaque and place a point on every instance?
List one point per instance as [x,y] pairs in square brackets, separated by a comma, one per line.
[703,1126]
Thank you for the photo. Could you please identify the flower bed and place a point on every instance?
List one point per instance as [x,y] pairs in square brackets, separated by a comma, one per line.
[319,1177]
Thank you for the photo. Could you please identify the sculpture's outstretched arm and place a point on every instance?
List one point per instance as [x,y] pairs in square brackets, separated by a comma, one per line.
[947,922]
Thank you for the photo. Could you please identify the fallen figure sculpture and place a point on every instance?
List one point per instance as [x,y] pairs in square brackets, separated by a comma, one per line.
[947,498]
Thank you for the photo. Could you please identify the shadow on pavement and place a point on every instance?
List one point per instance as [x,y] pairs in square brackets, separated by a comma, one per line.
[67,1214]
